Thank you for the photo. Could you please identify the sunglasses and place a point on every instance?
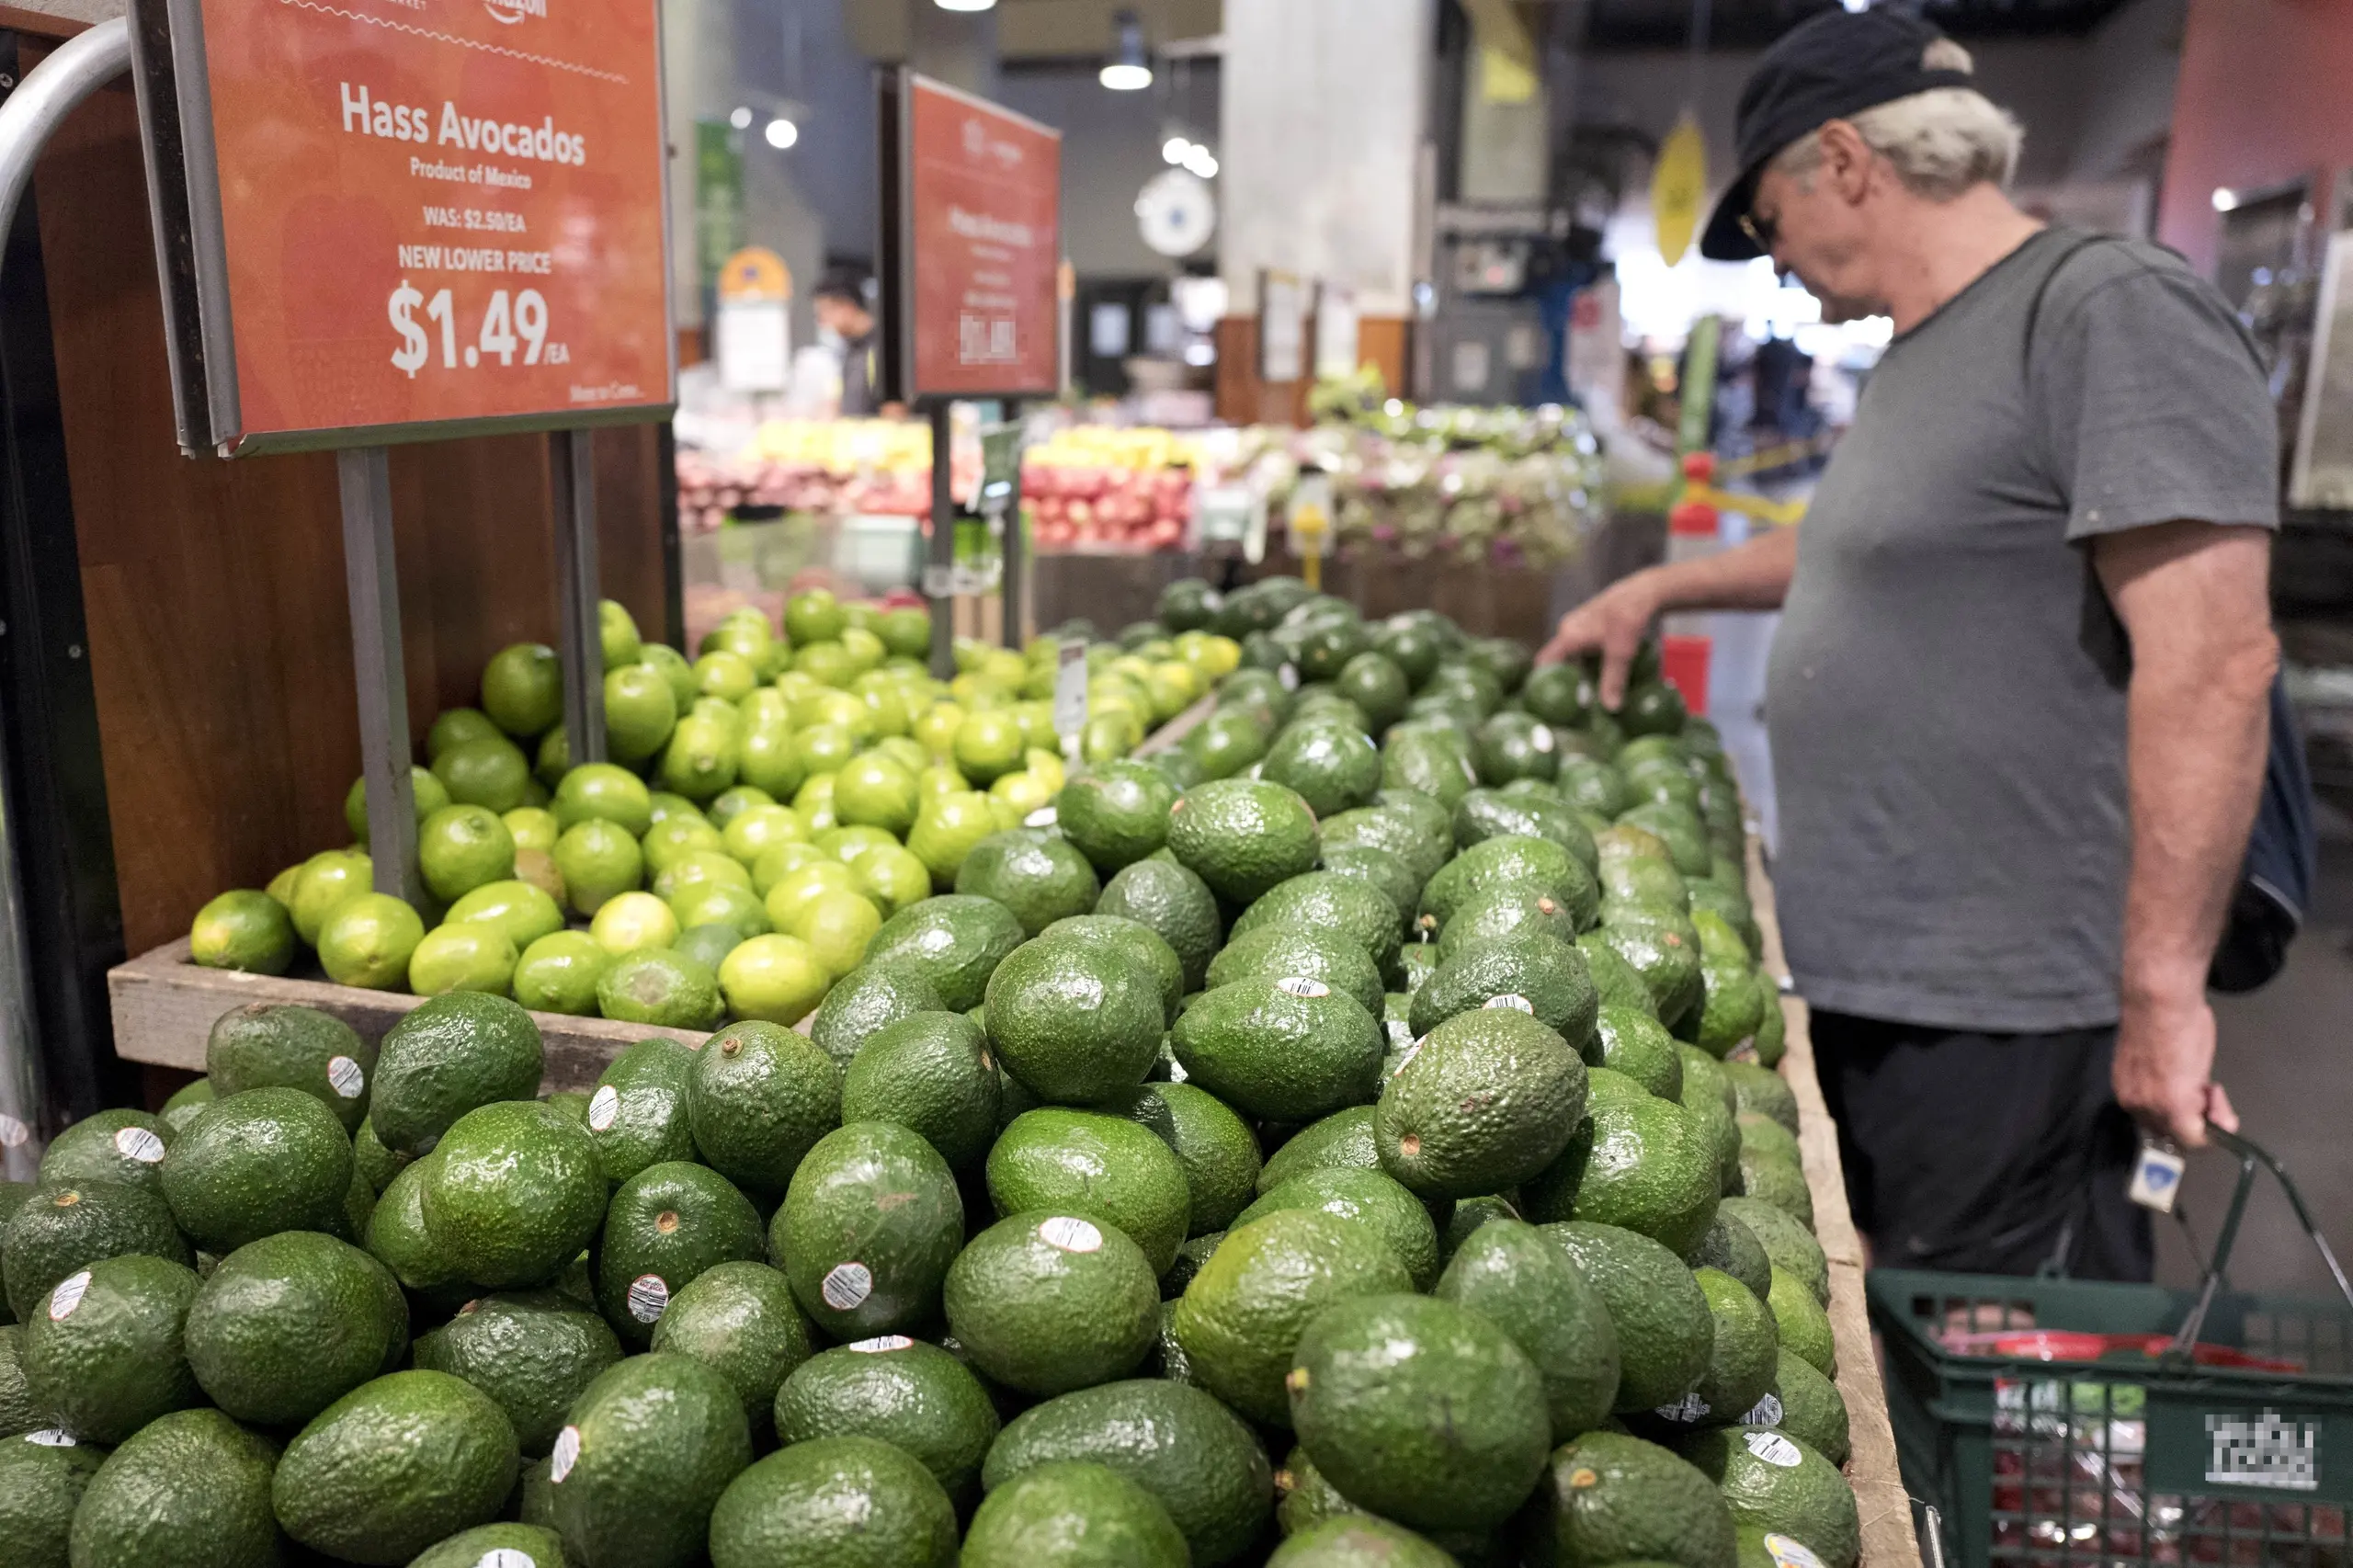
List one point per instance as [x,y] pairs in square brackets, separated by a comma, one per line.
[1762,229]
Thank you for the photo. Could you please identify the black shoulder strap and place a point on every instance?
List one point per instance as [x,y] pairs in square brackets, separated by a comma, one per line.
[2067,252]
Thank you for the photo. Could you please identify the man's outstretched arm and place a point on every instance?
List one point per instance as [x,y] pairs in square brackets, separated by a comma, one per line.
[1755,576]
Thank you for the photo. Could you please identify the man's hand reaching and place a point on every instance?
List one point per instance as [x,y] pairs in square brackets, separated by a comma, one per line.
[1612,622]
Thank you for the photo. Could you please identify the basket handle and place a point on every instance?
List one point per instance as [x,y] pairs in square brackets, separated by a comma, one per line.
[2251,1154]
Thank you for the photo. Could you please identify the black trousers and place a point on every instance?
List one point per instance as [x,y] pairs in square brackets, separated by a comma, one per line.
[1985,1154]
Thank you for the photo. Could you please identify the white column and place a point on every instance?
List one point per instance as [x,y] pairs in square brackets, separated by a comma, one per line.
[1324,111]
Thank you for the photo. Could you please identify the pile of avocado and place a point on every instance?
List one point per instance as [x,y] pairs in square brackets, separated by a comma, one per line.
[1380,1163]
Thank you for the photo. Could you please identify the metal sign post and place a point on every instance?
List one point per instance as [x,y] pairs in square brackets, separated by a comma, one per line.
[364,479]
[971,250]
[572,474]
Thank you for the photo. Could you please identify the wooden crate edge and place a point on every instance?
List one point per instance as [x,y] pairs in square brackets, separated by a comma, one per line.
[164,1007]
[1889,1539]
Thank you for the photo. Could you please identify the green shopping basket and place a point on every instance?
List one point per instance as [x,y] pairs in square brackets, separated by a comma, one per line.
[2071,1424]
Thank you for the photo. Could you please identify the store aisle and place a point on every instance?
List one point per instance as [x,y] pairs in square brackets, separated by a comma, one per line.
[2284,1055]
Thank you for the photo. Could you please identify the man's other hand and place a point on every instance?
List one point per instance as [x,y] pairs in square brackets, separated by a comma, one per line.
[2164,1058]
[1613,622]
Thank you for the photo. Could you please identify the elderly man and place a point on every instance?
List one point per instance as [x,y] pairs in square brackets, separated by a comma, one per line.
[2017,698]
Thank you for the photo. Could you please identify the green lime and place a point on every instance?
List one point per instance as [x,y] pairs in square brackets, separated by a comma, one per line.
[488,772]
[325,881]
[631,921]
[603,790]
[892,876]
[666,805]
[532,828]
[786,899]
[989,745]
[243,929]
[823,748]
[946,829]
[617,630]
[708,944]
[554,759]
[659,986]
[673,836]
[536,867]
[558,973]
[640,710]
[814,615]
[778,979]
[837,927]
[704,753]
[865,648]
[725,674]
[367,940]
[281,887]
[732,803]
[522,689]
[719,903]
[699,865]
[847,843]
[598,859]
[754,831]
[461,847]
[905,632]
[524,913]
[464,955]
[781,861]
[875,790]
[455,727]
[672,666]
[424,792]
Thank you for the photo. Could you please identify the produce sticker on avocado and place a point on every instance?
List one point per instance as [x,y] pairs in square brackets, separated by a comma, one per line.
[1791,1554]
[138,1144]
[563,1456]
[1773,1449]
[1767,1412]
[604,1109]
[1070,1234]
[847,1285]
[879,1344]
[346,1076]
[68,1296]
[1299,985]
[1511,999]
[648,1294]
[51,1438]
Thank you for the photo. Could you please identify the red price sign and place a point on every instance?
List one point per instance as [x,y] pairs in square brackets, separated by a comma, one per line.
[981,221]
[413,217]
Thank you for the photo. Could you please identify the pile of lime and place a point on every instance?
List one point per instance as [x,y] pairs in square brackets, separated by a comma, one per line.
[768,808]
[1307,1148]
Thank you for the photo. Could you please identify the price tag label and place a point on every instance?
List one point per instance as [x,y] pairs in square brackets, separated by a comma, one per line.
[1070,689]
[402,216]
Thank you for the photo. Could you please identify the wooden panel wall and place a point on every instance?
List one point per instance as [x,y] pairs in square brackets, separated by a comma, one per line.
[219,630]
[1243,398]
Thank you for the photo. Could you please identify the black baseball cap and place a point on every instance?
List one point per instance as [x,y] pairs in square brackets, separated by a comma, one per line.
[1838,63]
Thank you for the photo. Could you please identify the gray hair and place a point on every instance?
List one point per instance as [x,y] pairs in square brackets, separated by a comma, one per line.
[1941,142]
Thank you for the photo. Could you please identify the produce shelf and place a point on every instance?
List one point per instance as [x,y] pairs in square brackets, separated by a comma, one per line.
[1889,1539]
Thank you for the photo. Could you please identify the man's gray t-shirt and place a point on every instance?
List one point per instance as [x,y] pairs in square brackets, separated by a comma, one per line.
[1947,694]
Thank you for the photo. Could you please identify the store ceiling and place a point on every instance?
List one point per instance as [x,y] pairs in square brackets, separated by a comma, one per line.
[1751,24]
[1041,30]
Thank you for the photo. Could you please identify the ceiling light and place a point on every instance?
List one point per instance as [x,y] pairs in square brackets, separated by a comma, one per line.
[1202,162]
[740,117]
[1129,70]
[2226,199]
[782,133]
[1175,150]
[966,4]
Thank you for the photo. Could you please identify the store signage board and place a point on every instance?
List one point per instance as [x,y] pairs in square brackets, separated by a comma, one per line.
[399,219]
[973,306]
